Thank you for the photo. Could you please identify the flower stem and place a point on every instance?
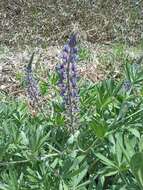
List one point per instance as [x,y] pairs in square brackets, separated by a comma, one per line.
[69,97]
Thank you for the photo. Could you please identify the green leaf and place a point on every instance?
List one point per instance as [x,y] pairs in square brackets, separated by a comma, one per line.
[124,152]
[136,164]
[141,144]
[82,185]
[135,132]
[3,187]
[63,186]
[99,127]
[105,160]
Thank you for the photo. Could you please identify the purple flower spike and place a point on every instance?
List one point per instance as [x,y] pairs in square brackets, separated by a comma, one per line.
[32,87]
[67,71]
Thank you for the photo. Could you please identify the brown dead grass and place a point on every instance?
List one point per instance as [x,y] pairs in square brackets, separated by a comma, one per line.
[49,22]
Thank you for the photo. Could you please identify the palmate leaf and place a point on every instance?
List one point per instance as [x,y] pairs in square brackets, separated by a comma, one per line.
[77,172]
[12,181]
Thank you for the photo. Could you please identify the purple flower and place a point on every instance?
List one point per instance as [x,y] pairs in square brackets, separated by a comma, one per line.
[73,82]
[127,85]
[66,48]
[73,67]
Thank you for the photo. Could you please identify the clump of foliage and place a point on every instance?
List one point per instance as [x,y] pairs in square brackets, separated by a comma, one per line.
[104,152]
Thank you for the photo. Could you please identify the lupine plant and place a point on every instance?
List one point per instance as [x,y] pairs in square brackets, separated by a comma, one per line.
[67,71]
[105,153]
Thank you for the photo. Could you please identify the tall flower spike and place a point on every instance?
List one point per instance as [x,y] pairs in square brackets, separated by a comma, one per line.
[32,87]
[67,71]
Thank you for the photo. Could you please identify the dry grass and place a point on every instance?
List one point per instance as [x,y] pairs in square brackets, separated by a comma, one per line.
[100,63]
[43,26]
[40,23]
